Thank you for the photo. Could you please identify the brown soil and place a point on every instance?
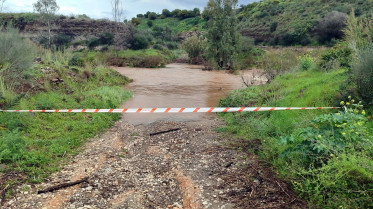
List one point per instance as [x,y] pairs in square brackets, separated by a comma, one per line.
[190,168]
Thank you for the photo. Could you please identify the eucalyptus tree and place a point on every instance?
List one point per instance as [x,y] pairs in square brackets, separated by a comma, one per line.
[222,34]
[47,9]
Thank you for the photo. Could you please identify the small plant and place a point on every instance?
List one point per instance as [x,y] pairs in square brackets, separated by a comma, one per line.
[306,62]
[334,156]
[12,147]
[76,60]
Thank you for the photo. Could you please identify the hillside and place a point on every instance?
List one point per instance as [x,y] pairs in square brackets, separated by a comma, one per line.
[295,22]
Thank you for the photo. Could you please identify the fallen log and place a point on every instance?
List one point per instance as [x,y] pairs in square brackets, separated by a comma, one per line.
[164,132]
[61,186]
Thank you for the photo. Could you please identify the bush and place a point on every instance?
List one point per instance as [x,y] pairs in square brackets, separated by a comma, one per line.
[363,73]
[152,16]
[338,56]
[16,54]
[139,41]
[158,47]
[93,43]
[246,44]
[306,62]
[172,45]
[106,39]
[166,13]
[275,63]
[196,48]
[334,155]
[331,26]
[76,60]
[147,62]
[62,40]
[150,23]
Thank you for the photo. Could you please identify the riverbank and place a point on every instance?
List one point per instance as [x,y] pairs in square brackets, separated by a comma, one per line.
[325,155]
[35,145]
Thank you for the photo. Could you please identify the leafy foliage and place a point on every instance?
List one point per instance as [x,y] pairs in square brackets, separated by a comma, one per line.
[222,34]
[288,22]
[196,48]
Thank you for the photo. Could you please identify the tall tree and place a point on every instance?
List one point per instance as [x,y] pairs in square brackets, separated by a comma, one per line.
[118,12]
[47,8]
[222,34]
[2,5]
[118,16]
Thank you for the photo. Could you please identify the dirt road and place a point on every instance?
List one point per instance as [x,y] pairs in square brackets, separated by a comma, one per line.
[189,168]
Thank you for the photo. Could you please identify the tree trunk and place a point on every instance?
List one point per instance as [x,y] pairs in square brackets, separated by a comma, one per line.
[49,34]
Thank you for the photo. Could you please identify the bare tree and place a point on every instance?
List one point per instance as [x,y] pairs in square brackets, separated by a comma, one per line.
[2,5]
[118,16]
[47,8]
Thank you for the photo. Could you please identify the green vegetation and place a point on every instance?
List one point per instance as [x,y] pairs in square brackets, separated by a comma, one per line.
[34,145]
[327,156]
[298,22]
[177,25]
[222,34]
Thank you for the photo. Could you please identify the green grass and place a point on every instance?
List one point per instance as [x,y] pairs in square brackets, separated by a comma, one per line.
[35,144]
[178,26]
[287,135]
[319,89]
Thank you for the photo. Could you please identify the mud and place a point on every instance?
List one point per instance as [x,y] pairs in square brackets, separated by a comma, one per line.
[180,85]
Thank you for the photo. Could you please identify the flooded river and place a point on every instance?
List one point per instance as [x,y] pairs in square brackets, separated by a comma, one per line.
[177,85]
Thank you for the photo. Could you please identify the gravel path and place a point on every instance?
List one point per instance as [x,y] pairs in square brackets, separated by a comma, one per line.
[188,168]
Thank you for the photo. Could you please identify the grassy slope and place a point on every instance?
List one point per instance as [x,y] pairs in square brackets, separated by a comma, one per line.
[38,142]
[302,14]
[178,26]
[310,88]
[320,89]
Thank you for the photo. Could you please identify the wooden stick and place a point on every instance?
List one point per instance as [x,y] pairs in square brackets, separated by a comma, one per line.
[61,186]
[164,132]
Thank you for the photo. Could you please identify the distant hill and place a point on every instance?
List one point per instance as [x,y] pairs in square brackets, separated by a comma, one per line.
[292,22]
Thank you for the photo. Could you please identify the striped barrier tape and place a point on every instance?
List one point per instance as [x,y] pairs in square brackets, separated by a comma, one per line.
[174,110]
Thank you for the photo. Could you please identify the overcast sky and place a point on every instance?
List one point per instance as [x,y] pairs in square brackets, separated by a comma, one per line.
[102,8]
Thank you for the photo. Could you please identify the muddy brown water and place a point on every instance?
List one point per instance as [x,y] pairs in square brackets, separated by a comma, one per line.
[177,86]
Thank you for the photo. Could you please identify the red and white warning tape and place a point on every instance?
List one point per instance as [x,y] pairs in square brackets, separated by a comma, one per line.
[174,110]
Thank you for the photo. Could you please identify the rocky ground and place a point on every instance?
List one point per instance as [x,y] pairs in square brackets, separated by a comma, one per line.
[193,167]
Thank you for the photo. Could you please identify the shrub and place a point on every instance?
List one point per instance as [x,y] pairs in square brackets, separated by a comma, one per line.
[76,60]
[331,26]
[273,26]
[62,40]
[152,16]
[363,73]
[195,47]
[150,23]
[16,54]
[339,55]
[106,38]
[246,43]
[94,42]
[306,62]
[158,47]
[172,45]
[166,13]
[334,156]
[278,62]
[139,42]
[147,62]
